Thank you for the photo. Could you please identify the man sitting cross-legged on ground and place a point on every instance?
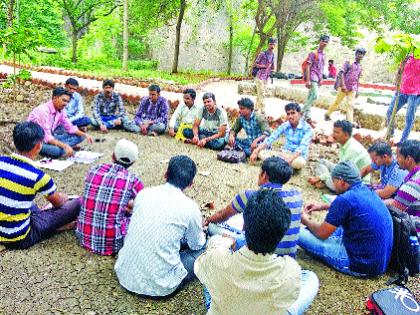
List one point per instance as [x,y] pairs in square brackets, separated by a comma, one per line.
[254,124]
[152,114]
[107,201]
[51,116]
[253,279]
[164,237]
[407,198]
[22,223]
[109,112]
[74,109]
[356,237]
[186,113]
[391,175]
[349,150]
[210,127]
[275,172]
[298,137]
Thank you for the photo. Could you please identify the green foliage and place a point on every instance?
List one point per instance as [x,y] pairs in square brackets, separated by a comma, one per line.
[398,46]
[23,74]
[20,40]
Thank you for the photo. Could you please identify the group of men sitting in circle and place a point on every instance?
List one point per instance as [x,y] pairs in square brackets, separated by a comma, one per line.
[158,233]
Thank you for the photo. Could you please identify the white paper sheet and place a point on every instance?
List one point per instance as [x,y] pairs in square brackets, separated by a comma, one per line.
[55,165]
[85,157]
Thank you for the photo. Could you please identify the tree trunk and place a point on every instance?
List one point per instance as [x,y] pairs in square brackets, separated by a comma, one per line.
[10,12]
[229,70]
[125,36]
[183,5]
[74,40]
[248,53]
[282,40]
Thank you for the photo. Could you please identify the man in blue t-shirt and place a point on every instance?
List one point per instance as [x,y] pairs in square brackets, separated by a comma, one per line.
[392,176]
[356,237]
[275,172]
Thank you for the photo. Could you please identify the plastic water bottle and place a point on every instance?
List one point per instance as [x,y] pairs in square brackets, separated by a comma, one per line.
[415,248]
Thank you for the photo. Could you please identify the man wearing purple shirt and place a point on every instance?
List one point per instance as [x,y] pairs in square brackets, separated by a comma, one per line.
[313,76]
[152,115]
[50,116]
[348,85]
[265,64]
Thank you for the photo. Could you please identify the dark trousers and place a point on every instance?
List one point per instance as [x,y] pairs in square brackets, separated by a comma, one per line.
[44,223]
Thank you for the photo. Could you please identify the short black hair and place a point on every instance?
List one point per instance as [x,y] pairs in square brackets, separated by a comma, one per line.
[246,102]
[332,61]
[209,95]
[154,87]
[381,148]
[190,92]
[26,135]
[266,220]
[292,106]
[72,81]
[324,38]
[181,171]
[410,148]
[345,125]
[58,91]
[277,169]
[108,82]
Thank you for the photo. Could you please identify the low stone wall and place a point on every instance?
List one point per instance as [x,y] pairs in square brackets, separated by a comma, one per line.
[369,121]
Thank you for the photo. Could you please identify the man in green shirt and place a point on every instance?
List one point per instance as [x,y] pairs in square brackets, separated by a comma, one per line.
[349,150]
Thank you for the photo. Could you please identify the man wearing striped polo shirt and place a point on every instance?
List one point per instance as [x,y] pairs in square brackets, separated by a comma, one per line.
[22,223]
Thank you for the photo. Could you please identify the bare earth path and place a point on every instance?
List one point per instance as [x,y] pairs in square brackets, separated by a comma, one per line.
[59,277]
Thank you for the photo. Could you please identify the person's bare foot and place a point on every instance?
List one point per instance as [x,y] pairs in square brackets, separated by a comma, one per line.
[311,123]
[320,185]
[77,147]
[153,134]
[67,227]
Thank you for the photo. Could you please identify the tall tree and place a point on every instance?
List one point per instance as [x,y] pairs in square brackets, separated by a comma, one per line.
[125,36]
[181,11]
[81,13]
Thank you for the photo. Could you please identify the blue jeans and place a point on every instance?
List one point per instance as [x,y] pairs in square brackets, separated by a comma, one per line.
[54,151]
[243,145]
[331,251]
[216,144]
[108,121]
[412,102]
[309,285]
[82,121]
[188,258]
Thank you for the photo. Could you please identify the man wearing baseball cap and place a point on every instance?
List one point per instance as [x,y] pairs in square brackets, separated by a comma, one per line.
[108,200]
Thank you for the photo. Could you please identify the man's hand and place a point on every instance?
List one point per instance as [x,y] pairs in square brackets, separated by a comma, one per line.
[254,156]
[195,139]
[117,122]
[201,143]
[171,132]
[88,138]
[231,140]
[254,144]
[103,128]
[311,207]
[69,150]
[308,84]
[313,180]
[143,128]
[205,222]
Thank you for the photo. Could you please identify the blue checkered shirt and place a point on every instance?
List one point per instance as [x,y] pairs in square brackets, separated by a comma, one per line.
[297,140]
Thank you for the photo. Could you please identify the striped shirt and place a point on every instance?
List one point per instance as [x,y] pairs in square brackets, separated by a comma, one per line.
[293,200]
[408,196]
[20,181]
[103,219]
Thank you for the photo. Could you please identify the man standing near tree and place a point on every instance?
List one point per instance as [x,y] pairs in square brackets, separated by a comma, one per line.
[265,64]
[313,67]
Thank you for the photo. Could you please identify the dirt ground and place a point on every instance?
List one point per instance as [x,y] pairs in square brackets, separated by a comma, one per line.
[57,276]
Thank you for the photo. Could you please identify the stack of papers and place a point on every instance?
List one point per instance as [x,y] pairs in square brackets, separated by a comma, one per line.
[52,164]
[85,157]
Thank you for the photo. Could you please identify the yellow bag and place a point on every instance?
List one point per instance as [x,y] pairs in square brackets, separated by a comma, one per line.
[180,133]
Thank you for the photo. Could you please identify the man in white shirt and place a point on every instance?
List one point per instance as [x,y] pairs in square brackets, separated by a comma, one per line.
[151,261]
[252,280]
[185,113]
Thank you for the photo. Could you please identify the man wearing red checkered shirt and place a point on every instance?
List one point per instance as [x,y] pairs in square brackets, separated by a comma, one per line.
[108,200]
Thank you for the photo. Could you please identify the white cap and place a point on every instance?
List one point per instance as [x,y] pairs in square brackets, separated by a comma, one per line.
[126,152]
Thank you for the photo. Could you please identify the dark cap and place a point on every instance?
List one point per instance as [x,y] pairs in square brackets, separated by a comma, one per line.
[361,51]
[272,40]
[324,38]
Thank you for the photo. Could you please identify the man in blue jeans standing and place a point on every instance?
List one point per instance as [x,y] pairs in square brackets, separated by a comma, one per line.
[356,237]
[61,136]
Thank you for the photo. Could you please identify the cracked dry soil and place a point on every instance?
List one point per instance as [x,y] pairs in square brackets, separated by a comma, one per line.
[59,277]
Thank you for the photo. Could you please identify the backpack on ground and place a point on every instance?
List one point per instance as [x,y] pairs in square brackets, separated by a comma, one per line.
[404,260]
[305,65]
[393,301]
[231,156]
